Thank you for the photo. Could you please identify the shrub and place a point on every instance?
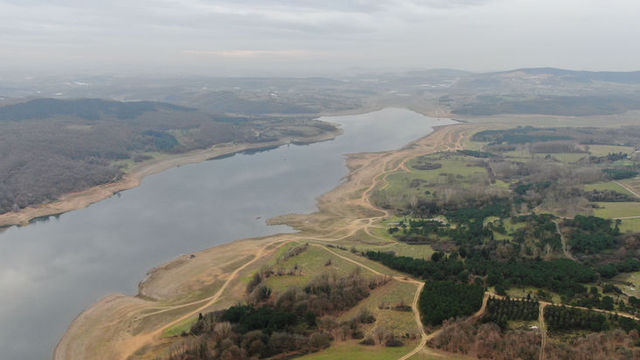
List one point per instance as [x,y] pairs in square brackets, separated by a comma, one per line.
[368,341]
[393,342]
[319,340]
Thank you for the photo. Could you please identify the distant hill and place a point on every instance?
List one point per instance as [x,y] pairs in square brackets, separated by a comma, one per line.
[583,76]
[545,91]
[88,109]
[550,105]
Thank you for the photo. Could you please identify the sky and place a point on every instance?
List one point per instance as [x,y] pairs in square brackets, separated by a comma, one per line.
[305,37]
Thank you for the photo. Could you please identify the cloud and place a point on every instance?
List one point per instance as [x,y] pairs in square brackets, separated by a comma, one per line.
[470,34]
[254,53]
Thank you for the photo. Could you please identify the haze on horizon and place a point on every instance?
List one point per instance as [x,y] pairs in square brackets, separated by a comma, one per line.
[306,38]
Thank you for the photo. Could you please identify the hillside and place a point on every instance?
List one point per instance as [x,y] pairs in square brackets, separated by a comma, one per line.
[49,147]
[544,91]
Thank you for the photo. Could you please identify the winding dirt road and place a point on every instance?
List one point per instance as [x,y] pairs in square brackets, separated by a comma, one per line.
[424,337]
[543,330]
[414,304]
[130,347]
[347,214]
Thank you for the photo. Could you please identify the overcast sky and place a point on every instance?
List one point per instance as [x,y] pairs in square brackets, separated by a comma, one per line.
[305,37]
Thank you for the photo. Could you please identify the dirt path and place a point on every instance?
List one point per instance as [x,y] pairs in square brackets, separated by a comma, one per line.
[609,312]
[563,240]
[414,304]
[543,330]
[424,337]
[453,137]
[546,303]
[136,342]
[629,189]
[627,217]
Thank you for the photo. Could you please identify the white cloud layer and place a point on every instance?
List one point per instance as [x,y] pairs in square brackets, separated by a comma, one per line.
[235,37]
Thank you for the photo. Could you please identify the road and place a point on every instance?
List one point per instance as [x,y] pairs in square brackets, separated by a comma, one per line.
[565,247]
[543,330]
[629,189]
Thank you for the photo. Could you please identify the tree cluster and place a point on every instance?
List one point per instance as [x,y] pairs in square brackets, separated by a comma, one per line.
[591,234]
[563,276]
[443,300]
[610,345]
[500,311]
[298,321]
[561,318]
[487,341]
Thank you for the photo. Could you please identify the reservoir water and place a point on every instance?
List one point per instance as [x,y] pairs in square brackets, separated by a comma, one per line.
[51,270]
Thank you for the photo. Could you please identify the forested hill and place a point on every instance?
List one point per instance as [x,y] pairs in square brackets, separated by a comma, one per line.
[49,147]
[87,109]
[632,77]
[546,91]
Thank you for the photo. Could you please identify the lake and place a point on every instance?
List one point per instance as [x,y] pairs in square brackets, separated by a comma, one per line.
[53,269]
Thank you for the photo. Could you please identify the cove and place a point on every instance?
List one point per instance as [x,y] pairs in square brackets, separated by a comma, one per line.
[54,268]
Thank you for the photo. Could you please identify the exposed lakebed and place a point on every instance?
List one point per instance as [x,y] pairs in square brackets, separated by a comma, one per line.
[52,269]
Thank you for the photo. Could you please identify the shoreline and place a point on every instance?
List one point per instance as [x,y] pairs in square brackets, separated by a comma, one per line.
[87,329]
[82,199]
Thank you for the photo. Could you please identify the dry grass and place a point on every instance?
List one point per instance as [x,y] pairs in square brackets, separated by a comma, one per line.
[381,302]
[353,351]
[614,210]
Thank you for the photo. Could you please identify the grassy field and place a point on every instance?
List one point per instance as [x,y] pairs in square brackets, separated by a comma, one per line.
[524,154]
[179,328]
[633,183]
[564,157]
[370,263]
[362,239]
[510,227]
[401,186]
[152,321]
[431,354]
[604,150]
[204,292]
[455,165]
[629,283]
[381,232]
[380,302]
[312,262]
[414,251]
[283,250]
[522,293]
[609,185]
[630,225]
[469,144]
[521,324]
[353,351]
[518,154]
[594,150]
[614,210]
[501,184]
